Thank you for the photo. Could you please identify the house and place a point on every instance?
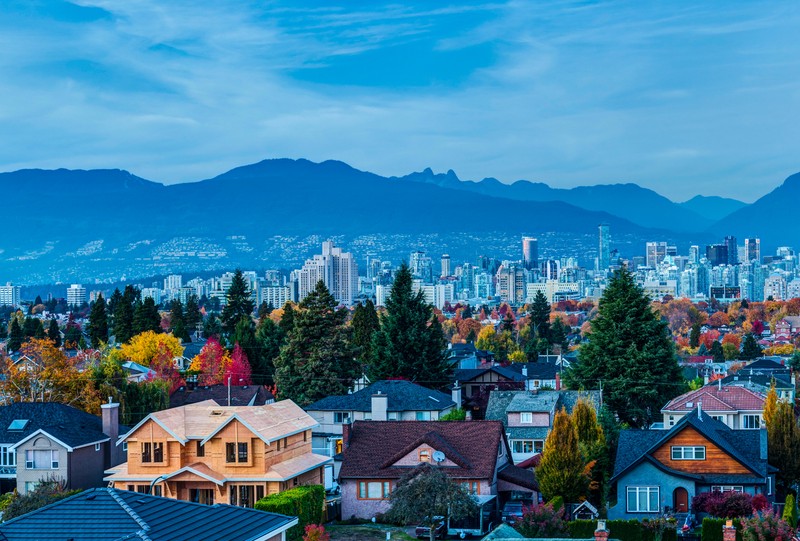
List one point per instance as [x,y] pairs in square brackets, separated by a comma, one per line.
[47,440]
[474,453]
[388,400]
[208,453]
[136,372]
[737,407]
[463,356]
[761,383]
[657,471]
[539,375]
[240,395]
[115,515]
[478,383]
[528,416]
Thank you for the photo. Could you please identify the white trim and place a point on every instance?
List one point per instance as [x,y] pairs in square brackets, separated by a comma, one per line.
[41,431]
[92,443]
[158,422]
[281,530]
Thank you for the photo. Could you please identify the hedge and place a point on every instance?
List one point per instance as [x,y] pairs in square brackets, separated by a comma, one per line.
[624,530]
[712,529]
[305,502]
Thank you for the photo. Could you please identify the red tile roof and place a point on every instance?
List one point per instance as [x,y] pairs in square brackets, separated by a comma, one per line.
[375,446]
[714,398]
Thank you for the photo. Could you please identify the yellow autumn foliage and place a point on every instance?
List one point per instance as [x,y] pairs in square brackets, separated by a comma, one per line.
[143,347]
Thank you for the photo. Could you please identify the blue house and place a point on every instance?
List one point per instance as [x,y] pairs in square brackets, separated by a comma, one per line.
[658,471]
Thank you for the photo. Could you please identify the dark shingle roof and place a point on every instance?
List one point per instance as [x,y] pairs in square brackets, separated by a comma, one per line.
[375,445]
[69,425]
[468,374]
[743,445]
[113,515]
[241,395]
[402,396]
[499,401]
[518,476]
[536,370]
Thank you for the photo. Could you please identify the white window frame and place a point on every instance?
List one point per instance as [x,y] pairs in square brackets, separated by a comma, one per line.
[8,457]
[688,452]
[423,416]
[648,491]
[526,418]
[752,417]
[96,446]
[727,488]
[30,460]
[344,417]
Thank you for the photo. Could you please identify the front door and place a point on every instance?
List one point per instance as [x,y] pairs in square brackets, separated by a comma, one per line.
[680,500]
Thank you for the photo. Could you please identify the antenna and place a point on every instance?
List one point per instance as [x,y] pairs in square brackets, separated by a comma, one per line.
[438,457]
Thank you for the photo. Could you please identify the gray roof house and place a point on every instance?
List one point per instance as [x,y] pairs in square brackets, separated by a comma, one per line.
[528,416]
[658,471]
[44,440]
[107,514]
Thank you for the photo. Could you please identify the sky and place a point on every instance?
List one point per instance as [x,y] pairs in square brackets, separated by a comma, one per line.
[681,97]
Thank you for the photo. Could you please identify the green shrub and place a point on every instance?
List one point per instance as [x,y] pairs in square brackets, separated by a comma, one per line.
[457,414]
[44,493]
[790,511]
[582,529]
[712,529]
[306,503]
[557,503]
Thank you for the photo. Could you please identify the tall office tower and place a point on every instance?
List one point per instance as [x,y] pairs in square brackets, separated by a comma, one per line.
[510,283]
[717,254]
[445,265]
[530,252]
[421,266]
[551,269]
[733,251]
[9,295]
[337,269]
[173,281]
[603,247]
[752,250]
[694,254]
[655,253]
[76,295]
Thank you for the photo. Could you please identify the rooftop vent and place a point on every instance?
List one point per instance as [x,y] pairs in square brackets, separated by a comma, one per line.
[216,412]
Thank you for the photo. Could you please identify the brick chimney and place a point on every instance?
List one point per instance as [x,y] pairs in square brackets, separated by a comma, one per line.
[558,382]
[601,534]
[379,406]
[346,430]
[110,414]
[729,531]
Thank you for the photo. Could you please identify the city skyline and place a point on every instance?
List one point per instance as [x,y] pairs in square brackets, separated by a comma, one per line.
[681,99]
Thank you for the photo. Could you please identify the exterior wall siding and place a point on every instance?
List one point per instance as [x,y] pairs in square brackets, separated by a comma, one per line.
[648,475]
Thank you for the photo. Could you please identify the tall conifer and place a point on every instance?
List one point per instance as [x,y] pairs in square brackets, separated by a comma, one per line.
[98,322]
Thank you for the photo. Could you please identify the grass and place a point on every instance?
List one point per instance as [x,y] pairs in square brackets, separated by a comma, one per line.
[367,532]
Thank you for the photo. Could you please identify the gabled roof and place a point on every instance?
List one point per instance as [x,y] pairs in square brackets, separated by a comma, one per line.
[745,446]
[202,420]
[401,395]
[765,365]
[499,401]
[533,402]
[466,375]
[241,395]
[717,397]
[542,370]
[69,425]
[114,515]
[375,446]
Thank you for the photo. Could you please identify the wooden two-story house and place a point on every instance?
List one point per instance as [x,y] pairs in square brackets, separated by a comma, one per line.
[658,471]
[208,453]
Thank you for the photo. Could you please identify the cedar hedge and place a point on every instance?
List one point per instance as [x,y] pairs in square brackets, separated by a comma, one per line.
[305,502]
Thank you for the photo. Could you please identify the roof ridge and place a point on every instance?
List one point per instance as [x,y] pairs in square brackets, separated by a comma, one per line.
[127,508]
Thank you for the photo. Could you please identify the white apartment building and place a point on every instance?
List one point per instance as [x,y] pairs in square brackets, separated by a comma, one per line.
[338,270]
[173,281]
[76,295]
[277,296]
[152,292]
[553,291]
[775,287]
[9,295]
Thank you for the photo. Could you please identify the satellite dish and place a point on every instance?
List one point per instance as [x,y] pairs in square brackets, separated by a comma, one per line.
[438,456]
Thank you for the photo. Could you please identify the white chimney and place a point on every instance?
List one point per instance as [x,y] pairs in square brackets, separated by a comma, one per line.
[456,394]
[525,370]
[700,409]
[380,406]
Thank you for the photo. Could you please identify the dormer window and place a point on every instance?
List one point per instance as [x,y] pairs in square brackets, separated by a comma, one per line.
[526,418]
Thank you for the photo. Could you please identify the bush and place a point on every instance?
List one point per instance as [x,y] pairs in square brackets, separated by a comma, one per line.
[316,532]
[45,493]
[712,529]
[457,414]
[582,529]
[760,502]
[724,504]
[542,521]
[557,503]
[305,503]
[790,511]
[766,527]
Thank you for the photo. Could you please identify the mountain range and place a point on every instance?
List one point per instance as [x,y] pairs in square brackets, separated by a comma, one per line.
[64,225]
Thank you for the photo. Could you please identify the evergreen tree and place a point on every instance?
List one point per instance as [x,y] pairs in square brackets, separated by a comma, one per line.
[53,333]
[532,350]
[365,324]
[694,336]
[414,342]
[191,314]
[287,320]
[750,348]
[146,317]
[265,309]
[73,336]
[113,302]
[98,322]
[318,360]
[631,352]
[717,352]
[783,444]
[3,329]
[178,322]
[702,350]
[558,335]
[540,317]
[239,303]
[15,336]
[244,335]
[212,327]
[123,315]
[38,301]
[39,332]
[269,339]
[561,469]
[471,336]
[29,327]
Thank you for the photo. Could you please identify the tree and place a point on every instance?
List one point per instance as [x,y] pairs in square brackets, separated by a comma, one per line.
[177,321]
[365,324]
[783,444]
[244,335]
[191,314]
[318,360]
[98,323]
[543,521]
[631,352]
[287,318]
[44,493]
[540,316]
[238,370]
[790,511]
[143,347]
[717,352]
[239,302]
[558,335]
[73,335]
[212,327]
[123,315]
[561,470]
[426,493]
[412,343]
[15,336]
[750,348]
[146,317]
[210,363]
[265,309]
[53,333]
[269,339]
[694,336]
[163,364]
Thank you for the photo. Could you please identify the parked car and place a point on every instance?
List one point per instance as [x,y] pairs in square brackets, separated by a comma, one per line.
[512,511]
[424,532]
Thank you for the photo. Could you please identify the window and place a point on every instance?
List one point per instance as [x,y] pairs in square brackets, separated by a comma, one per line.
[41,460]
[235,452]
[230,453]
[392,416]
[527,446]
[202,495]
[147,451]
[472,486]
[242,452]
[727,488]
[425,455]
[423,416]
[373,490]
[341,417]
[131,488]
[243,495]
[526,417]
[156,490]
[158,451]
[295,481]
[201,450]
[125,446]
[688,453]
[7,456]
[18,424]
[643,500]
[751,421]
[96,446]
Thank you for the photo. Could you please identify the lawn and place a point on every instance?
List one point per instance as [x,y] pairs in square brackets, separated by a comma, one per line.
[367,532]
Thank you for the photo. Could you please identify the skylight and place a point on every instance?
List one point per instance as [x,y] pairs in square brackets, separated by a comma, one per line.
[18,424]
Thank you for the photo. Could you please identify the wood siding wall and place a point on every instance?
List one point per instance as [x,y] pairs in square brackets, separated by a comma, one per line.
[717,460]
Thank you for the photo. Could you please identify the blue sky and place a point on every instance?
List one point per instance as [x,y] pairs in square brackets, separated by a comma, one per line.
[681,97]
